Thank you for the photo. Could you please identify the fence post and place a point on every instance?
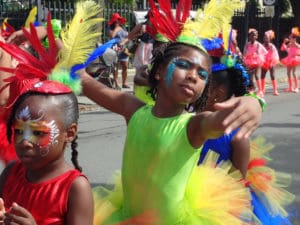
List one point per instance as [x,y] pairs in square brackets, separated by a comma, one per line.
[40,11]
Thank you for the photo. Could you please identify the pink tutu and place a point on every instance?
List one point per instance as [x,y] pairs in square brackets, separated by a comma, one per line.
[291,61]
[253,61]
[270,62]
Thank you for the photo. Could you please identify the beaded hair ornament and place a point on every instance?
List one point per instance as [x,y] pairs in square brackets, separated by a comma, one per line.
[227,59]
[51,72]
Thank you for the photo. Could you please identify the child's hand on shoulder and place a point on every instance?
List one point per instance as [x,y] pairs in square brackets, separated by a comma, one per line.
[19,215]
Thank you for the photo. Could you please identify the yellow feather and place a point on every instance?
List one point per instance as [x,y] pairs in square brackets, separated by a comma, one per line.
[3,23]
[31,16]
[209,22]
[80,35]
[226,31]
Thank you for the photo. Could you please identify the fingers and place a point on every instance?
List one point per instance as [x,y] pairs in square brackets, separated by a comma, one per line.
[245,114]
[19,215]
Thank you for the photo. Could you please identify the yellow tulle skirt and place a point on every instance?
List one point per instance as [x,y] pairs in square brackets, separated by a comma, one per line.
[213,196]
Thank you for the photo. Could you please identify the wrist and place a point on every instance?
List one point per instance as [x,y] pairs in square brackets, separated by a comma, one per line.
[261,101]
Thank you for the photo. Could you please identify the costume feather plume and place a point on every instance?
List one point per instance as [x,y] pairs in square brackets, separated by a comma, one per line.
[209,22]
[269,185]
[80,35]
[31,17]
[163,20]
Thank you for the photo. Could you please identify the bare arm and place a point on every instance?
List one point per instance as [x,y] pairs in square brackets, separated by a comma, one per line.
[116,101]
[240,154]
[141,76]
[5,61]
[18,36]
[240,112]
[80,203]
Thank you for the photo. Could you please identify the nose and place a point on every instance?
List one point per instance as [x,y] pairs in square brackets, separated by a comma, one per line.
[25,143]
[192,75]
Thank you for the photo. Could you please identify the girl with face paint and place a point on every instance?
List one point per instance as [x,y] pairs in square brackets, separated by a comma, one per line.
[41,187]
[41,126]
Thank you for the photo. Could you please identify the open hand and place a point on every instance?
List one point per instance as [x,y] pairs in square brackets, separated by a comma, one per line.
[18,216]
[2,211]
[246,114]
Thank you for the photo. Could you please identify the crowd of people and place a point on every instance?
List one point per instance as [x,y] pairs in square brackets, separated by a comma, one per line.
[194,100]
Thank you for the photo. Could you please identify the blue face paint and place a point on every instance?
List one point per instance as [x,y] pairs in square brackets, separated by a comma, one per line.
[187,65]
[170,72]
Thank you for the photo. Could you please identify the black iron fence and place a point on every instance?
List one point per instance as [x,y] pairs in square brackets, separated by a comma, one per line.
[17,12]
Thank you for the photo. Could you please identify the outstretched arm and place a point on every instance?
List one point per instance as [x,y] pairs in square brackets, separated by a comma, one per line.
[18,37]
[116,101]
[239,112]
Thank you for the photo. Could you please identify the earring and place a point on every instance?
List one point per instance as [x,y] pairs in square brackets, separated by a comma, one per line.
[215,100]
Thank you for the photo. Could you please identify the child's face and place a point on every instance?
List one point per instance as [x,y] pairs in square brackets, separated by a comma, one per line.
[266,39]
[253,36]
[39,136]
[185,76]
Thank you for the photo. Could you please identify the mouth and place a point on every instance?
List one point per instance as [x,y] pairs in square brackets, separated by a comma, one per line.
[26,158]
[188,90]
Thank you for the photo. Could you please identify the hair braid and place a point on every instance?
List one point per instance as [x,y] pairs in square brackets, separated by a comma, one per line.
[74,157]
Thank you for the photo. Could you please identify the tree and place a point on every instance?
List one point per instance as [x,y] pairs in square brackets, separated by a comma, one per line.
[296,9]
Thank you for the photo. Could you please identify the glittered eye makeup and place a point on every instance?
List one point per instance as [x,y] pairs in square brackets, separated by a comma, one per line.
[186,64]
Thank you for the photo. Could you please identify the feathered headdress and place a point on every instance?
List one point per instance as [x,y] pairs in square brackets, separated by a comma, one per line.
[207,24]
[32,73]
[270,34]
[295,31]
[223,58]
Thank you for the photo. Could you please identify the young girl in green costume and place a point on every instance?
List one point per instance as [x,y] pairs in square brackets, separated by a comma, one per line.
[158,183]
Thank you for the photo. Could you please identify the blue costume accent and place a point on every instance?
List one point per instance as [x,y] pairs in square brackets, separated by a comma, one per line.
[222,145]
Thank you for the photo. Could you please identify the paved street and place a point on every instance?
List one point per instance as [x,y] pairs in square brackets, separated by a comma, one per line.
[102,135]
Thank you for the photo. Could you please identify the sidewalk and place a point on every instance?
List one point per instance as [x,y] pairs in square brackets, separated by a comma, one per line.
[86,105]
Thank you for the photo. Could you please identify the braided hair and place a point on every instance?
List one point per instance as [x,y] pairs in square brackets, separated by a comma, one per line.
[69,106]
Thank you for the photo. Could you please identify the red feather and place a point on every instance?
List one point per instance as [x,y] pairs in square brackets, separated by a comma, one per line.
[52,44]
[163,20]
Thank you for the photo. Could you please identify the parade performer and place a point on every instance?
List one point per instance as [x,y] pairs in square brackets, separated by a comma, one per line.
[7,151]
[42,121]
[269,197]
[271,60]
[292,47]
[253,57]
[160,182]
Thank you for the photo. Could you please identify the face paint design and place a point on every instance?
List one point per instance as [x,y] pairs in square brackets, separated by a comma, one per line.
[186,64]
[41,133]
[170,72]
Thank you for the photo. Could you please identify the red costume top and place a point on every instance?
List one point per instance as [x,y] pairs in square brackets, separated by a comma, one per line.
[46,201]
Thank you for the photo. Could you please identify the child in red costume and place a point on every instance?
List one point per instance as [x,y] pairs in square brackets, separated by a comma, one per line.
[292,60]
[271,60]
[41,187]
[254,53]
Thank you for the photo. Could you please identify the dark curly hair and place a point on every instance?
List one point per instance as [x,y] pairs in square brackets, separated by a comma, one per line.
[162,54]
[232,78]
[69,106]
